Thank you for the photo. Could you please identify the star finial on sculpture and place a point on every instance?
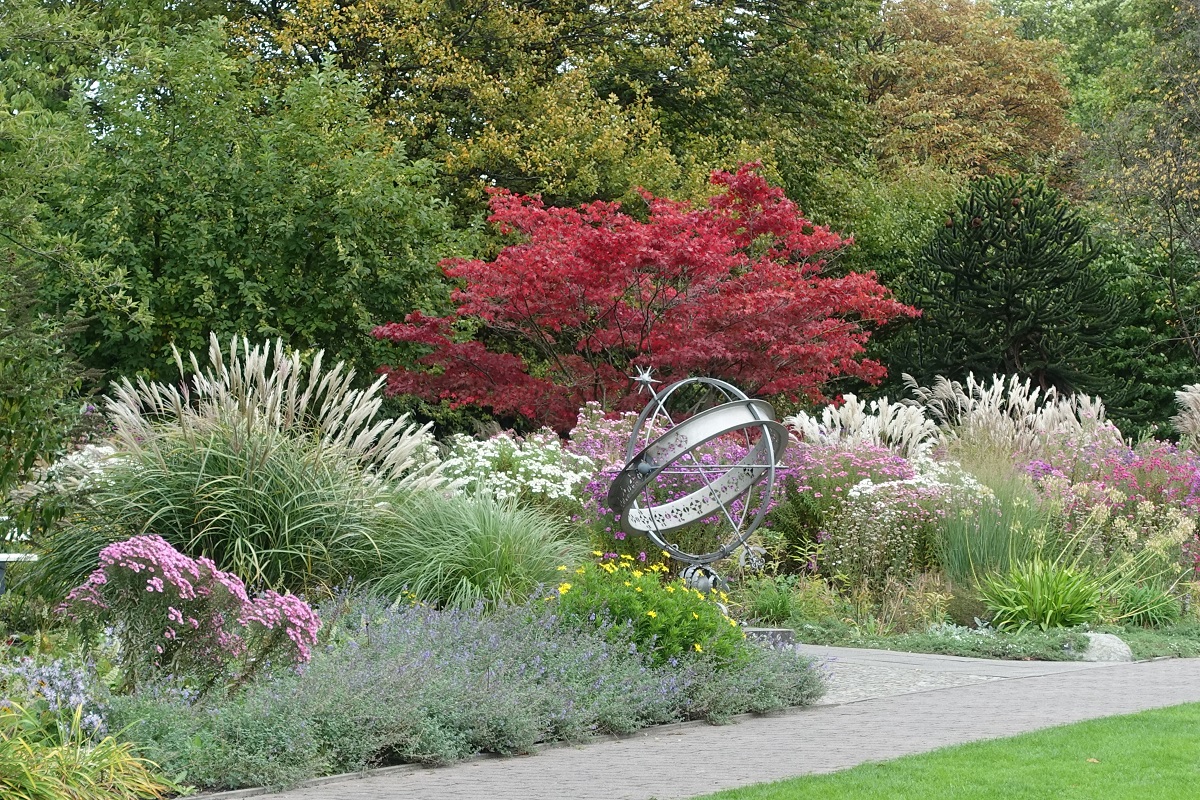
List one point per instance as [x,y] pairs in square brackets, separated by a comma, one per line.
[645,377]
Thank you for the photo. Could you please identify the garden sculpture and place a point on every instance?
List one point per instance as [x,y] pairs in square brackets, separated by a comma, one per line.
[671,481]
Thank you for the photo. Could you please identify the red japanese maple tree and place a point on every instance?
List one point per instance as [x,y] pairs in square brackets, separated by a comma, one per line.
[734,289]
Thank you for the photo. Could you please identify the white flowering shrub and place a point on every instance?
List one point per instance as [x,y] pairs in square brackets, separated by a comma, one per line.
[82,469]
[533,469]
[888,531]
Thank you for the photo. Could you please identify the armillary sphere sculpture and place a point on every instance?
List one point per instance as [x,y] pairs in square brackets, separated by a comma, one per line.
[699,469]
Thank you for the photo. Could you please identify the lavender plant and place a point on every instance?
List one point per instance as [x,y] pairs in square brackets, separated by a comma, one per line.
[412,683]
[50,691]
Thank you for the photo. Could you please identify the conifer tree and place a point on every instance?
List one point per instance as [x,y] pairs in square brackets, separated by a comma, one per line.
[1007,286]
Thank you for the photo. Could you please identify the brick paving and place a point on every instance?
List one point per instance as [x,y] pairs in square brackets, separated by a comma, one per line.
[920,703]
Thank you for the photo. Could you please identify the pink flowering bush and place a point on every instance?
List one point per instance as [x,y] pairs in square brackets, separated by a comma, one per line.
[1123,500]
[183,618]
[829,472]
[602,438]
[1154,470]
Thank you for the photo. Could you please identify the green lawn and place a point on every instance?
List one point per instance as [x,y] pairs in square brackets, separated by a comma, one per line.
[1154,755]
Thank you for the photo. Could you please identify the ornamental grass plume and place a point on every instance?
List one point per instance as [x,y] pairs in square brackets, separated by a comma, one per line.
[267,386]
[1010,413]
[1187,421]
[276,471]
[882,423]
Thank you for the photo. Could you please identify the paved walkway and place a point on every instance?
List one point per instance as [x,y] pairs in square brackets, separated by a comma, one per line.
[860,674]
[881,705]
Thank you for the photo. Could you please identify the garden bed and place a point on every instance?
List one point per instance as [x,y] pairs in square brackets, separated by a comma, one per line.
[185,617]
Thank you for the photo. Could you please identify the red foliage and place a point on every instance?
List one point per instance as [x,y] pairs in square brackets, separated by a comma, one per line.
[732,290]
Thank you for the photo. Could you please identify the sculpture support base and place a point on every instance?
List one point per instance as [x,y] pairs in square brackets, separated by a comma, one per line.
[776,637]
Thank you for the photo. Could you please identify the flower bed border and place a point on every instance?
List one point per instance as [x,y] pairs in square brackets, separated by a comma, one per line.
[371,772]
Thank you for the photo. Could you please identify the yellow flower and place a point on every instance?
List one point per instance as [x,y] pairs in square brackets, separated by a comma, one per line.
[626,557]
[598,554]
[732,623]
[698,648]
[671,590]
[666,554]
[627,583]
[695,615]
[562,568]
[724,597]
[637,588]
[637,573]
[563,588]
[580,571]
[652,614]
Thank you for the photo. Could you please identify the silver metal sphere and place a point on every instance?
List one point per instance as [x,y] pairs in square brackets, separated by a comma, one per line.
[666,441]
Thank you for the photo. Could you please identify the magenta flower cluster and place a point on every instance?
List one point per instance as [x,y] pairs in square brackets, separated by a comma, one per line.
[1154,471]
[183,616]
[829,472]
[1122,479]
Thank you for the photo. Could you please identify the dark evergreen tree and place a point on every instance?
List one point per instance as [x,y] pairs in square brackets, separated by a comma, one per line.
[1007,286]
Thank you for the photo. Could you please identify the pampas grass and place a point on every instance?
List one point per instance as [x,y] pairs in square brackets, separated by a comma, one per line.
[900,427]
[278,471]
[268,387]
[1010,414]
[1187,421]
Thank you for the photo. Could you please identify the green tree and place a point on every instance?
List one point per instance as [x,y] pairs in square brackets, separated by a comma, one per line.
[580,101]
[229,204]
[953,85]
[1146,361]
[46,51]
[1007,286]
[1103,46]
[39,406]
[1150,173]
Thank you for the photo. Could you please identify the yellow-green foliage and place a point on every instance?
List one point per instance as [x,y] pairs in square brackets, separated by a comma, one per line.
[64,765]
[666,618]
